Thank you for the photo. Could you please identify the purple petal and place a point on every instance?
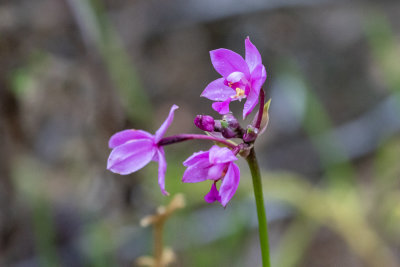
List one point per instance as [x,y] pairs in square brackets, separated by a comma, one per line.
[258,77]
[162,168]
[251,102]
[226,61]
[235,77]
[253,57]
[131,156]
[257,80]
[229,184]
[218,91]
[127,135]
[213,195]
[196,173]
[161,131]
[222,107]
[196,157]
[221,155]
[215,172]
[155,157]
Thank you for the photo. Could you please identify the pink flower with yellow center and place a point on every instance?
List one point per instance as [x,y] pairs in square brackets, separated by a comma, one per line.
[241,78]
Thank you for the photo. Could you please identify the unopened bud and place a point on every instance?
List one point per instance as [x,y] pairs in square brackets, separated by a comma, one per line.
[230,127]
[226,130]
[205,123]
[251,134]
[231,121]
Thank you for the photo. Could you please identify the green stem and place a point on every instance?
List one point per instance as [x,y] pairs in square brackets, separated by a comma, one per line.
[262,218]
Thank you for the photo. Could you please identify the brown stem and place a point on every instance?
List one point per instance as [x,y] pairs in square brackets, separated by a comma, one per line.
[158,243]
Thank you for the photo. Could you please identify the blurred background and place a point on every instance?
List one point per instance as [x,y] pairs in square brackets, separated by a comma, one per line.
[73,72]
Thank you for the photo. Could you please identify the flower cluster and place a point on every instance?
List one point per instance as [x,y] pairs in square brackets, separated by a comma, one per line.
[241,78]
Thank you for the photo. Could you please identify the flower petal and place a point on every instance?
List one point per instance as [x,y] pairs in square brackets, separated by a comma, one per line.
[229,184]
[162,168]
[196,173]
[235,77]
[213,195]
[222,107]
[221,155]
[215,172]
[163,128]
[251,102]
[131,156]
[258,77]
[218,91]
[196,157]
[127,135]
[226,61]
[253,57]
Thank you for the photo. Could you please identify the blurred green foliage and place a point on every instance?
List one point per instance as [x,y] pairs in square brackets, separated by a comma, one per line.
[123,74]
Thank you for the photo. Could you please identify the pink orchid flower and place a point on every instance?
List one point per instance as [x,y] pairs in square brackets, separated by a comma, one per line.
[133,149]
[216,165]
[241,78]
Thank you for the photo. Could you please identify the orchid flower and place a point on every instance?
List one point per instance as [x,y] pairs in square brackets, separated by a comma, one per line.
[216,165]
[133,149]
[241,78]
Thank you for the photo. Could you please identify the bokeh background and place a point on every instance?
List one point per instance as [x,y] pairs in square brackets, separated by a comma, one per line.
[73,72]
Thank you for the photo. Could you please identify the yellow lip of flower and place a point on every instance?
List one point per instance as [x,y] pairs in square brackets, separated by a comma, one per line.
[239,94]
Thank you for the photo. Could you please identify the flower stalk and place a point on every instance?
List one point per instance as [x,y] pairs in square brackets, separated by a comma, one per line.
[261,214]
[184,137]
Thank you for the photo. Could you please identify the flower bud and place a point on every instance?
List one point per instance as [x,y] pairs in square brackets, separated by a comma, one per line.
[230,127]
[251,134]
[231,121]
[205,123]
[227,132]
